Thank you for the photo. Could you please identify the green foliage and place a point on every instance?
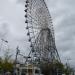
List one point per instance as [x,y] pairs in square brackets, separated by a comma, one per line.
[5,63]
[60,66]
[68,70]
[6,66]
[51,68]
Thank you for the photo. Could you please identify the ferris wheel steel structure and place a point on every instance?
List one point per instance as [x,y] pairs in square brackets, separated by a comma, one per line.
[40,31]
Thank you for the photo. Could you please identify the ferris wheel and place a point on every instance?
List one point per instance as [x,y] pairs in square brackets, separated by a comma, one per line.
[40,30]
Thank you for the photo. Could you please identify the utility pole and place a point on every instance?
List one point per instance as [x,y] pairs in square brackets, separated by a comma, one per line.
[17,52]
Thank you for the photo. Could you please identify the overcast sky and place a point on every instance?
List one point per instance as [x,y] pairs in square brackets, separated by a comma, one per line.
[12,26]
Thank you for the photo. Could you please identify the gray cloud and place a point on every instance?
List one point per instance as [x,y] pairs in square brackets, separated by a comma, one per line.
[21,1]
[63,15]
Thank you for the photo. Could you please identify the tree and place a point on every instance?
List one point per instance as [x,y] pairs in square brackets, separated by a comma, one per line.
[7,55]
[51,68]
[7,65]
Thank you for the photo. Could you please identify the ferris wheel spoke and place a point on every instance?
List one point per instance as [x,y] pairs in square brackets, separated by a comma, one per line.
[34,22]
[31,22]
[40,30]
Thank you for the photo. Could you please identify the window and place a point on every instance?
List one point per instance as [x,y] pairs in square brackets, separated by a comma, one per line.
[24,71]
[36,71]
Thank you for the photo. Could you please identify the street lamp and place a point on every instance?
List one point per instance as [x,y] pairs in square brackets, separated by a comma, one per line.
[3,40]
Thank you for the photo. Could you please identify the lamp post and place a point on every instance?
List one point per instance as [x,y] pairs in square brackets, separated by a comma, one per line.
[2,40]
